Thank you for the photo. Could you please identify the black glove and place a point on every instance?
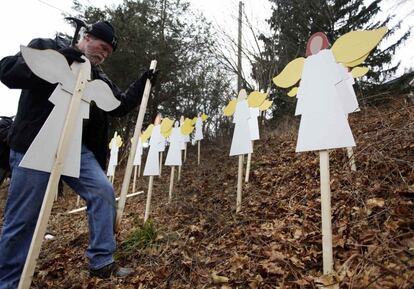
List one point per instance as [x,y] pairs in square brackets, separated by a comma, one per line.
[71,55]
[151,75]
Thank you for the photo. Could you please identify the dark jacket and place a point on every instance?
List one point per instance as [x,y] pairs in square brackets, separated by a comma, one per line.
[34,107]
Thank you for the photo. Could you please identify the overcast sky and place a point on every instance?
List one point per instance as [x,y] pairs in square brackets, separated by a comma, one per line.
[22,20]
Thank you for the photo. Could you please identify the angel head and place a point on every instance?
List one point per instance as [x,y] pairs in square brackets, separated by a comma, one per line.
[317,42]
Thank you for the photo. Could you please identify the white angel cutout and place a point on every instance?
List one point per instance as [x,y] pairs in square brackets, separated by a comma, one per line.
[324,123]
[152,164]
[53,67]
[114,145]
[174,152]
[138,153]
[241,143]
[198,134]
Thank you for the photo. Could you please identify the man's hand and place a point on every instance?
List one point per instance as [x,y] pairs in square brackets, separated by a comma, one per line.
[71,55]
[151,75]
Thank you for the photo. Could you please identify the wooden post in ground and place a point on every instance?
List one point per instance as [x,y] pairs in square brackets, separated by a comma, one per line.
[135,179]
[161,154]
[351,157]
[185,152]
[249,160]
[327,251]
[239,184]
[128,170]
[179,173]
[149,195]
[171,184]
[198,155]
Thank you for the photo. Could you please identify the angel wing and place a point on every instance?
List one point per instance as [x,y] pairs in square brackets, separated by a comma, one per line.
[230,108]
[357,61]
[147,133]
[356,45]
[49,65]
[359,71]
[166,126]
[187,127]
[291,74]
[293,91]
[204,117]
[118,141]
[194,120]
[265,105]
[256,98]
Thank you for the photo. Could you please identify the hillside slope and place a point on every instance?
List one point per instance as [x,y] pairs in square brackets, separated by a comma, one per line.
[275,242]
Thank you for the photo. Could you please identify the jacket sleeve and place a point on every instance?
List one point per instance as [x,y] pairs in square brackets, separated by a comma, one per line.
[14,72]
[130,98]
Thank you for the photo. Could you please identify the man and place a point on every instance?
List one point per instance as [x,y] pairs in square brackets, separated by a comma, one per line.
[27,186]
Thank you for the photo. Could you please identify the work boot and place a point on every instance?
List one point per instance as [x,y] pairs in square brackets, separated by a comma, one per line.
[112,269]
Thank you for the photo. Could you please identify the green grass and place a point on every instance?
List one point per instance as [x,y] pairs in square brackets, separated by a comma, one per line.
[140,239]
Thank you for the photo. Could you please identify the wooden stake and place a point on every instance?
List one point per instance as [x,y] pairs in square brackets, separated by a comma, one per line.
[326,213]
[77,201]
[185,152]
[249,160]
[161,163]
[139,171]
[239,184]
[52,186]
[148,205]
[84,208]
[137,131]
[179,173]
[198,158]
[351,158]
[171,184]
[135,179]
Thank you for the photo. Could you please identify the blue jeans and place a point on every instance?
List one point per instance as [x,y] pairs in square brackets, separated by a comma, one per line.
[25,197]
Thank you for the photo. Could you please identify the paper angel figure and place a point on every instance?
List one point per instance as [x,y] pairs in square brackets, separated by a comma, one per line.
[52,66]
[241,143]
[114,145]
[324,97]
[198,134]
[138,153]
[152,164]
[174,151]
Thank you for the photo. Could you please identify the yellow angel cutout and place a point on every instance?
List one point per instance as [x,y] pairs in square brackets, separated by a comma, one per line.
[166,127]
[256,98]
[230,107]
[147,133]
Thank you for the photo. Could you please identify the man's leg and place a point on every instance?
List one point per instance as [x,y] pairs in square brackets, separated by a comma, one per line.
[25,197]
[97,191]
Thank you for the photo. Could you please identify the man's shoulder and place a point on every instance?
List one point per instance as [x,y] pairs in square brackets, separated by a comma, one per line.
[49,43]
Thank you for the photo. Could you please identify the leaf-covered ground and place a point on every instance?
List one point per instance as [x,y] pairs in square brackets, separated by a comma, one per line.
[198,241]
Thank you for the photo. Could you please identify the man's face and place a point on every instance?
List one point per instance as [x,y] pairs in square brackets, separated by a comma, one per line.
[96,50]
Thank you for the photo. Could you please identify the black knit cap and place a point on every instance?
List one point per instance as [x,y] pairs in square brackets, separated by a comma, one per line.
[104,31]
